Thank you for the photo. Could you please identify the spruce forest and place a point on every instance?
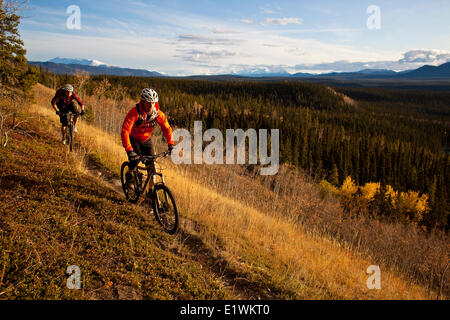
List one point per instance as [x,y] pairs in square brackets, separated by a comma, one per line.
[395,140]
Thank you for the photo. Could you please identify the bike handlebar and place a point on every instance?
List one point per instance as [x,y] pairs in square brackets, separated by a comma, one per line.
[149,158]
[66,114]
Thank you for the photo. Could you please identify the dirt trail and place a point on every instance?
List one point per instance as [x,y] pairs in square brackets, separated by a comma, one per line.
[191,246]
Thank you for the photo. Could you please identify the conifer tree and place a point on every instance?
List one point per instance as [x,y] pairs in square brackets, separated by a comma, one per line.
[333,177]
[14,70]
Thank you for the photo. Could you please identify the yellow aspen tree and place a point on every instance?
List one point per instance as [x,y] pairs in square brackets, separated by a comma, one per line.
[349,188]
[369,190]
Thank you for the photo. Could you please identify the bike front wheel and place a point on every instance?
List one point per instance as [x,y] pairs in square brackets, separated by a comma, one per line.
[70,138]
[130,188]
[165,208]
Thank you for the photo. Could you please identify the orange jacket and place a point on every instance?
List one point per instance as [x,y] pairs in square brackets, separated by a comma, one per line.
[140,128]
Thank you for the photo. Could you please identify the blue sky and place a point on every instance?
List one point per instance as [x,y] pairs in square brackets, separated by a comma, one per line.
[216,37]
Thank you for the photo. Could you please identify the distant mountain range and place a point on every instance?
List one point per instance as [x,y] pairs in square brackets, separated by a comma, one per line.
[429,72]
[95,67]
[441,72]
[84,62]
[350,75]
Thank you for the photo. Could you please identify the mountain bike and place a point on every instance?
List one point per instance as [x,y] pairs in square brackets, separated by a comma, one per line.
[159,197]
[69,134]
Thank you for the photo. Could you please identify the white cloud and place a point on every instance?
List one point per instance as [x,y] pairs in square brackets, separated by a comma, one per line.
[281,21]
[142,5]
[207,56]
[210,46]
[270,9]
[257,69]
[425,56]
[267,11]
[247,21]
[411,60]
[337,66]
[45,46]
[184,54]
[207,40]
[223,31]
[273,21]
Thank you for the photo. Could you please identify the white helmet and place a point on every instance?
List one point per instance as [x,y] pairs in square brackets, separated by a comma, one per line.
[149,95]
[68,87]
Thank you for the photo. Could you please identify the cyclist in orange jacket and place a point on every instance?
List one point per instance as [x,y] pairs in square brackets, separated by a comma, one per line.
[138,127]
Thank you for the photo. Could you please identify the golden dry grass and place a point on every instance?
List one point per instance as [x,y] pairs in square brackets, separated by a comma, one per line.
[53,216]
[265,246]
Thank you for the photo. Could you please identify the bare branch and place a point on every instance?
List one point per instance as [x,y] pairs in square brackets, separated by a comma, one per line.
[9,7]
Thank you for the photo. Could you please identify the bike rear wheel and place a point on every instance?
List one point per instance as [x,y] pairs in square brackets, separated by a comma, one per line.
[131,190]
[165,209]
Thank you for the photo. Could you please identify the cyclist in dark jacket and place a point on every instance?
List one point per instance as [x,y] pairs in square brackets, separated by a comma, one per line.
[63,102]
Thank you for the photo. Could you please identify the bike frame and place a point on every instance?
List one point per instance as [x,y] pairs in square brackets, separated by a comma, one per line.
[147,168]
[70,128]
[70,114]
[70,122]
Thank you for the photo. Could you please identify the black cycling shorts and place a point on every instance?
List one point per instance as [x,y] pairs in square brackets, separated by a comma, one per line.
[144,149]
[65,109]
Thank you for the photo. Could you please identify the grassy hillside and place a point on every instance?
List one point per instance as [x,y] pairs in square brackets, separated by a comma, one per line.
[53,215]
[244,251]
